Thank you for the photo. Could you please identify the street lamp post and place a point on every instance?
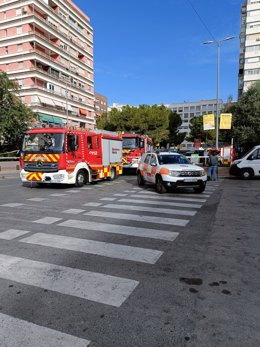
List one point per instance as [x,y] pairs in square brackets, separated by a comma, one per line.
[218,43]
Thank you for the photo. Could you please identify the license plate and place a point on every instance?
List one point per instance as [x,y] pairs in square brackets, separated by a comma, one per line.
[190,180]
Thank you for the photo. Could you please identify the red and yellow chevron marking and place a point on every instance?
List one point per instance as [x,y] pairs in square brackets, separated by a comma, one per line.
[50,158]
[34,176]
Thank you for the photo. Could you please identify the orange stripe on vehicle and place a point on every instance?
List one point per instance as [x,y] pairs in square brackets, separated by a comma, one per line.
[164,171]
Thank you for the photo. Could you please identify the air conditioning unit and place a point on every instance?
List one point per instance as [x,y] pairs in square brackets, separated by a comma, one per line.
[24,10]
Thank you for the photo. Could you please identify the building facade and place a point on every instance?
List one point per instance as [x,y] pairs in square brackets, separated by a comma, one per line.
[189,110]
[47,47]
[100,104]
[249,60]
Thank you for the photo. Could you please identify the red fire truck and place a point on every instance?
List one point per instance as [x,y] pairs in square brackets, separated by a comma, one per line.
[60,155]
[134,146]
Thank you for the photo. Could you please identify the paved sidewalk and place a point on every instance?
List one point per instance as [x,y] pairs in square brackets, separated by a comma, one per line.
[13,166]
[9,166]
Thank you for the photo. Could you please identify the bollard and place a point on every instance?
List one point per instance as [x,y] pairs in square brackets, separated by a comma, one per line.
[17,167]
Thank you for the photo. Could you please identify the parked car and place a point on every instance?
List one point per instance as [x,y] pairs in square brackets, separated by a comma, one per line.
[248,166]
[170,170]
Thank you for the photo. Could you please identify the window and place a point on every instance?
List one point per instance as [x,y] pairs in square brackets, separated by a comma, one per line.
[19,30]
[72,22]
[20,64]
[63,15]
[19,48]
[80,29]
[147,158]
[18,11]
[153,160]
[186,109]
[253,60]
[63,46]
[252,72]
[51,87]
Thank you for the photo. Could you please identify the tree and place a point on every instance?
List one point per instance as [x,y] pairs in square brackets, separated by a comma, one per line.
[175,137]
[197,131]
[15,117]
[149,120]
[246,119]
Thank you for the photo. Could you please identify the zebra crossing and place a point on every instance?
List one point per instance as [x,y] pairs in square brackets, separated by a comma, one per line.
[136,212]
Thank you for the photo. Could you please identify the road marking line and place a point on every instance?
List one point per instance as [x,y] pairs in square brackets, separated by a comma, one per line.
[108,199]
[179,194]
[105,289]
[17,332]
[105,249]
[120,229]
[14,204]
[74,211]
[58,194]
[37,199]
[73,191]
[136,218]
[170,198]
[161,203]
[129,191]
[12,234]
[120,194]
[92,204]
[47,220]
[150,209]
[85,188]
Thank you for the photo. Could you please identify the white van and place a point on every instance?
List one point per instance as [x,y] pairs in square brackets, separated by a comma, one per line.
[248,166]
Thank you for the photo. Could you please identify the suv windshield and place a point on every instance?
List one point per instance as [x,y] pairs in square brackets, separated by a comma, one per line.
[43,143]
[172,159]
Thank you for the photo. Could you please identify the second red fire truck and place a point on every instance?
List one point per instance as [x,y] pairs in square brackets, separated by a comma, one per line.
[134,146]
[60,155]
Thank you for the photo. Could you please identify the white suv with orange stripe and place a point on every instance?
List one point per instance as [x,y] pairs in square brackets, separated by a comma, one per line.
[170,170]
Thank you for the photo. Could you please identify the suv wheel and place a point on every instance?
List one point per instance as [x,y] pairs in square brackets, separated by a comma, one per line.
[160,188]
[140,179]
[247,174]
[199,189]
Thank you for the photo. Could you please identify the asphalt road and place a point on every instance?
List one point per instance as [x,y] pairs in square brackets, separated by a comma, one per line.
[115,265]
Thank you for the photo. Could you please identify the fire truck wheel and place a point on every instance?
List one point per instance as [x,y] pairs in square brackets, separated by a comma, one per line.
[140,179]
[160,188]
[80,179]
[112,175]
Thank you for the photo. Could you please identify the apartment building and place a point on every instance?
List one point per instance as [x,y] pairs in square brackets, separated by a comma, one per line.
[47,46]
[189,110]
[100,104]
[249,60]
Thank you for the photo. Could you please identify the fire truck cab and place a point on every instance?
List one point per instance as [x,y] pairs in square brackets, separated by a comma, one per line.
[60,155]
[134,146]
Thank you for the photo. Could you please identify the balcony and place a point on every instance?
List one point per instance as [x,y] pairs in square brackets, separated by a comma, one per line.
[65,20]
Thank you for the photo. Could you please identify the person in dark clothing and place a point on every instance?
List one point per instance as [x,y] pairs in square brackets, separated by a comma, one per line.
[213,165]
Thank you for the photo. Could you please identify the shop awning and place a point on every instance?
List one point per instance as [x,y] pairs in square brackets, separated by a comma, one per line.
[50,119]
[46,101]
[57,120]
[83,111]
[45,117]
[58,103]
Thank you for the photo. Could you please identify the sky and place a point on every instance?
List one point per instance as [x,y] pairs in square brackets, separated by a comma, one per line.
[152,52]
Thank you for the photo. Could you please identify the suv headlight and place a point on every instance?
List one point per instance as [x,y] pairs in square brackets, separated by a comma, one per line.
[174,173]
[203,173]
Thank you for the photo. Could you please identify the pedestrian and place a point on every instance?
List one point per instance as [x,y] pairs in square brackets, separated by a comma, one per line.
[212,166]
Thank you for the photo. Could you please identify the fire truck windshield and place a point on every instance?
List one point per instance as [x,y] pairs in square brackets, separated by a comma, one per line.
[130,142]
[43,143]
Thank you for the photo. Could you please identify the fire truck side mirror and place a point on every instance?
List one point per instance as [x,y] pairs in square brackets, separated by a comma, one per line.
[142,144]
